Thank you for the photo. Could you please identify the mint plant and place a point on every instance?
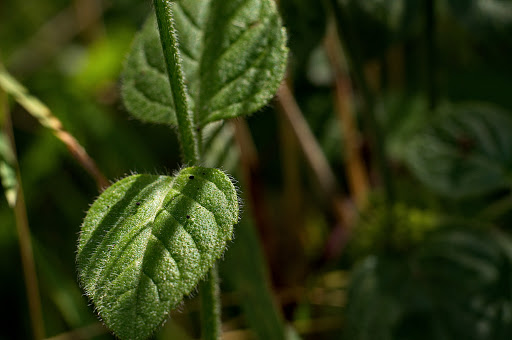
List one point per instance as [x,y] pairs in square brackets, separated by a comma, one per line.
[148,240]
[378,191]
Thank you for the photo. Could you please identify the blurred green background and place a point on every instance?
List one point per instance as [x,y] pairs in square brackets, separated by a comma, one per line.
[432,262]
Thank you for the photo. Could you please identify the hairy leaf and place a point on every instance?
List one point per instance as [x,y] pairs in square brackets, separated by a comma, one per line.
[233,57]
[466,152]
[148,240]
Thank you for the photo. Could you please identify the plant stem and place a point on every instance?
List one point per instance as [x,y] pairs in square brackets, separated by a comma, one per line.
[187,134]
[189,140]
[353,56]
[27,256]
[210,306]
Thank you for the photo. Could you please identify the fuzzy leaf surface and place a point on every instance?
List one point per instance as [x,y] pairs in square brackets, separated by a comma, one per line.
[233,57]
[148,240]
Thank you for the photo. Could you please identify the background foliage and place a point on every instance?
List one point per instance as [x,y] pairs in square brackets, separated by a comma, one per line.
[434,262]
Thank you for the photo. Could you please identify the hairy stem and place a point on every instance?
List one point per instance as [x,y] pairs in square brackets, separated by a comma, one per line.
[210,306]
[189,139]
[186,122]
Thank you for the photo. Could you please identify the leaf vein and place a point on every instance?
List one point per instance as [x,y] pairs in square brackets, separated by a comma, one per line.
[145,60]
[151,100]
[241,74]
[205,208]
[192,237]
[187,53]
[170,253]
[213,183]
[105,273]
[188,16]
[156,285]
[118,222]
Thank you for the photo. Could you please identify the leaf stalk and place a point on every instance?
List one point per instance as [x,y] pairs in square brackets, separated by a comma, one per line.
[210,306]
[189,139]
[186,121]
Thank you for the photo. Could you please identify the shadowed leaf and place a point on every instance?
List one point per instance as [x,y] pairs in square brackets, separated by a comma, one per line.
[455,285]
[466,152]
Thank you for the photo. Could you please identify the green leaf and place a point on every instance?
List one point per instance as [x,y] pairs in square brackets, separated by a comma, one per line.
[233,57]
[219,147]
[467,152]
[454,286]
[148,240]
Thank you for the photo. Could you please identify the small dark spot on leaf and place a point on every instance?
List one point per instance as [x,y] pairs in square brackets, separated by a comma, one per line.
[191,176]
[465,145]
[254,24]
[188,216]
[204,174]
[138,203]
